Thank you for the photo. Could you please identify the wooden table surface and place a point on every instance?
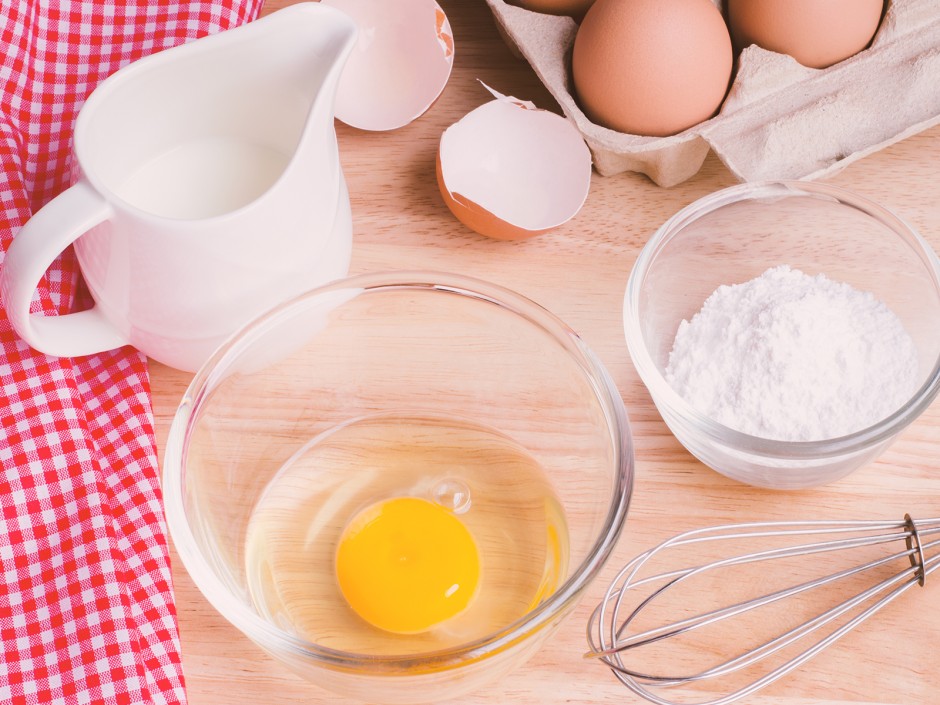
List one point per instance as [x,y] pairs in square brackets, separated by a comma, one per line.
[579,272]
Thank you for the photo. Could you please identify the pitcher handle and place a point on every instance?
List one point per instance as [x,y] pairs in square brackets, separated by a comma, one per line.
[34,248]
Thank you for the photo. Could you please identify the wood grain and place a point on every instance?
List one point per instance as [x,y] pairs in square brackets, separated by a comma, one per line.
[579,272]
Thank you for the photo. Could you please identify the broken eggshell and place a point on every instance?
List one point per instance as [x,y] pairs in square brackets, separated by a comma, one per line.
[511,171]
[401,63]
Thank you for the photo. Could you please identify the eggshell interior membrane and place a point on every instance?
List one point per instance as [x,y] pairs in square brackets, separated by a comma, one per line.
[401,63]
[511,172]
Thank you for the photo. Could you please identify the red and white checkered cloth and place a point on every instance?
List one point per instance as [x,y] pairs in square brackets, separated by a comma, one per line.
[86,602]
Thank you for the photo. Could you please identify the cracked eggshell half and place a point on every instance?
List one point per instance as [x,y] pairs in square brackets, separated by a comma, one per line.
[400,65]
[510,171]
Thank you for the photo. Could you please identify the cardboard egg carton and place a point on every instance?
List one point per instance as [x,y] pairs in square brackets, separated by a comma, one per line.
[780,119]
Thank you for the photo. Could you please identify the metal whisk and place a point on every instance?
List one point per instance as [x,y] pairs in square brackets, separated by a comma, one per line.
[616,636]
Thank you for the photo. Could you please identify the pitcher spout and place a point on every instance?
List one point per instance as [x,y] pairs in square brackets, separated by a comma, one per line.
[296,77]
[326,38]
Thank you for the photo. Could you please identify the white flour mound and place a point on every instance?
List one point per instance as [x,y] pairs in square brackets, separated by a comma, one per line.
[793,357]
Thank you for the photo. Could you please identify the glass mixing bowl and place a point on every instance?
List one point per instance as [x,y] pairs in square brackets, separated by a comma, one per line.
[733,236]
[287,413]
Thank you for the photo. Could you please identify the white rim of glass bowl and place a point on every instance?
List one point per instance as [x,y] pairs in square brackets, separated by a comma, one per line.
[543,616]
[663,393]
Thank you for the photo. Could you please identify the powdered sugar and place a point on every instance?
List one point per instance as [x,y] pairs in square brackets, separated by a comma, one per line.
[793,357]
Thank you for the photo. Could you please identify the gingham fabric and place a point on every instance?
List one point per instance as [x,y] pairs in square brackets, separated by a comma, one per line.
[86,602]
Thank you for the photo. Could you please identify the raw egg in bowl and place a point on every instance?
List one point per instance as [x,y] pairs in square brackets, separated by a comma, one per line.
[399,484]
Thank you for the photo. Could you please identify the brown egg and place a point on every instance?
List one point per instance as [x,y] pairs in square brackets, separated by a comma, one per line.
[815,33]
[573,8]
[651,67]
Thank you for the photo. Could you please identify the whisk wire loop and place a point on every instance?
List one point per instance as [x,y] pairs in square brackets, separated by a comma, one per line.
[916,547]
[608,633]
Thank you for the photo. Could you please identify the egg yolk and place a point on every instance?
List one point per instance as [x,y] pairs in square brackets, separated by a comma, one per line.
[406,564]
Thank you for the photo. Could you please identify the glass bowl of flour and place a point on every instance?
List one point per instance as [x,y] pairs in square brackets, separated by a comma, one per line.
[787,331]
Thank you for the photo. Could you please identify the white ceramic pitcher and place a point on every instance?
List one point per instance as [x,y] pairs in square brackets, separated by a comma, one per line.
[207,187]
